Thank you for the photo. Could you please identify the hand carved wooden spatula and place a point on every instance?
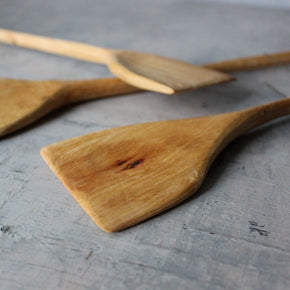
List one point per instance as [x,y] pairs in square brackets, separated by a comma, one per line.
[125,175]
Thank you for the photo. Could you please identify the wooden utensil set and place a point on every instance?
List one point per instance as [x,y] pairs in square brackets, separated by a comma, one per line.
[125,175]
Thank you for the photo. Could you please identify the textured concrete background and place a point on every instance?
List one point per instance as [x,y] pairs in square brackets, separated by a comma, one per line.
[276,3]
[233,234]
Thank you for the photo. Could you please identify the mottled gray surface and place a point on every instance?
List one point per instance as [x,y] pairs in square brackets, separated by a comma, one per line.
[276,3]
[234,234]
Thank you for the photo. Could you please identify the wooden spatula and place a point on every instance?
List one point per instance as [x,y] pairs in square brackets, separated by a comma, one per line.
[125,175]
[23,102]
[145,71]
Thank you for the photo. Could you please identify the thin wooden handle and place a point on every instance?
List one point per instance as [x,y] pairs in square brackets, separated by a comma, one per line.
[56,46]
[78,91]
[101,55]
[253,62]
[253,117]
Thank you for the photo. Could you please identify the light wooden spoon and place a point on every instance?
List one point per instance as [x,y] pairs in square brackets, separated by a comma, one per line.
[125,175]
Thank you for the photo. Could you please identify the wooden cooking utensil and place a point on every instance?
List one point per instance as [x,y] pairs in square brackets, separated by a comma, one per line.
[23,102]
[145,71]
[125,175]
[142,70]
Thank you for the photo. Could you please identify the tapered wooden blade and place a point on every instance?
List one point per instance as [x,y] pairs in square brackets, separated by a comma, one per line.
[161,74]
[125,175]
[23,102]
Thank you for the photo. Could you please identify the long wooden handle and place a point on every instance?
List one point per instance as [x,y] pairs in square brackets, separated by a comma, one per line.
[253,117]
[101,55]
[252,62]
[78,91]
[56,46]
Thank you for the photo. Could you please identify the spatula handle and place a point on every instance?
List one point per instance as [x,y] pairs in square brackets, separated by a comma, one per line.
[56,46]
[79,91]
[253,117]
[253,62]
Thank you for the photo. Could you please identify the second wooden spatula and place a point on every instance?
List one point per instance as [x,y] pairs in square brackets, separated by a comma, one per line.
[23,102]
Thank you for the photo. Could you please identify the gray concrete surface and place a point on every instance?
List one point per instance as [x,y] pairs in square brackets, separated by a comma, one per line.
[263,3]
[234,234]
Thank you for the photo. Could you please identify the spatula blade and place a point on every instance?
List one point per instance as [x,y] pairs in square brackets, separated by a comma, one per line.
[161,74]
[125,175]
